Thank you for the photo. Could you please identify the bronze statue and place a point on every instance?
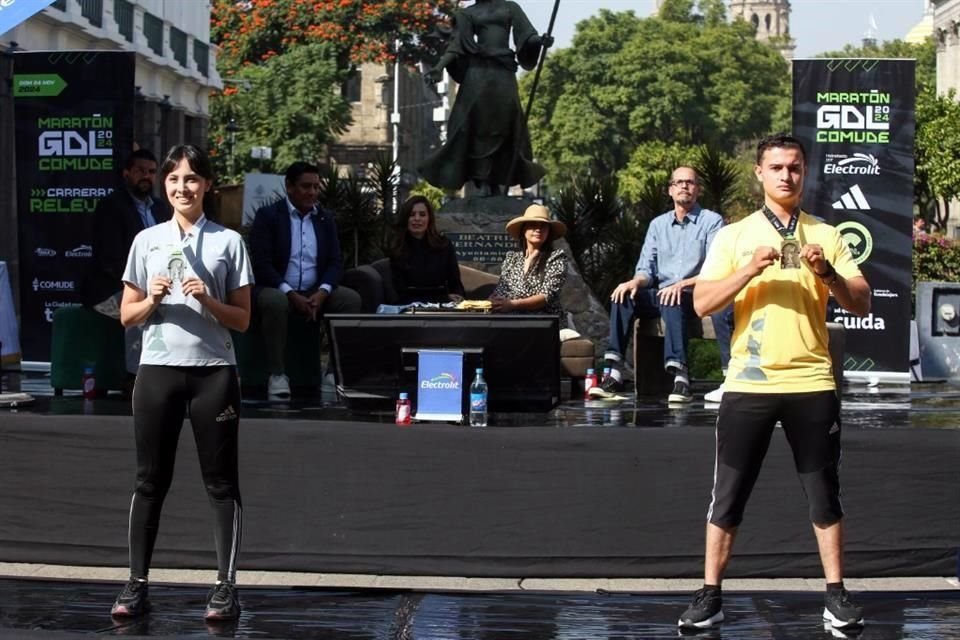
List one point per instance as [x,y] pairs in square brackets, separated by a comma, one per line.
[487,137]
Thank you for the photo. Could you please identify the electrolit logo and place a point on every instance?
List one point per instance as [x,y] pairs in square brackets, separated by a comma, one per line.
[83,251]
[442,381]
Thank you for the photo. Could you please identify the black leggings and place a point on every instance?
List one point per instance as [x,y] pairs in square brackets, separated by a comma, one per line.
[161,399]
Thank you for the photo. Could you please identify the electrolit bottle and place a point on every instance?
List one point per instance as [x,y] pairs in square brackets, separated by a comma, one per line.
[478,401]
[89,384]
[589,383]
[403,410]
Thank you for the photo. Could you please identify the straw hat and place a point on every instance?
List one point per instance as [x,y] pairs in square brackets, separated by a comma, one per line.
[536,213]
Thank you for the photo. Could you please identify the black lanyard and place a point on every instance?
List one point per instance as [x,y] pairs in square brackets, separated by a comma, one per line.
[785,231]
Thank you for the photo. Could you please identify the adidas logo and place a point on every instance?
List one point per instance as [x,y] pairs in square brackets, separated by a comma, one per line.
[227,414]
[853,200]
[834,429]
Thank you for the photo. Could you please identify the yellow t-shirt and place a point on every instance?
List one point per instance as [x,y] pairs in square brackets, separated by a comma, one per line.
[779,342]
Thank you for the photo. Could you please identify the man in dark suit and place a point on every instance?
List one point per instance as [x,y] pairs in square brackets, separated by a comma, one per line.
[296,266]
[118,218]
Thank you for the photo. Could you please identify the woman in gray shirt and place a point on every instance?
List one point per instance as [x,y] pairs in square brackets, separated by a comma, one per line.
[187,282]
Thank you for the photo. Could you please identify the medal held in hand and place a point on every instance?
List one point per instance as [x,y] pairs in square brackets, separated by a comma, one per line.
[789,246]
[789,253]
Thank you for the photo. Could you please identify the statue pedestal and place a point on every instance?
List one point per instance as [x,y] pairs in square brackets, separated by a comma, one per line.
[477,227]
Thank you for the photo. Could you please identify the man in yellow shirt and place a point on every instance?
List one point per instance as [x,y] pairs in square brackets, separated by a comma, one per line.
[779,369]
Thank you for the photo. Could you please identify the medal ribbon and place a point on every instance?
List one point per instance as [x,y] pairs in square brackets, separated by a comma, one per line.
[785,231]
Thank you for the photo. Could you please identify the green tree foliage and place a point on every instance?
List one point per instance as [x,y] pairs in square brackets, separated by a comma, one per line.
[924,53]
[935,259]
[283,62]
[651,163]
[286,103]
[605,234]
[937,152]
[721,176]
[434,194]
[681,79]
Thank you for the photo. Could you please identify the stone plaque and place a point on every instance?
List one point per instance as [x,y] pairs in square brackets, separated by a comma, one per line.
[486,248]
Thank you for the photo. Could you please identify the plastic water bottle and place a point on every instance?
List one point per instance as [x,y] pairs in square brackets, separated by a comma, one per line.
[89,384]
[589,382]
[403,410]
[478,401]
[606,374]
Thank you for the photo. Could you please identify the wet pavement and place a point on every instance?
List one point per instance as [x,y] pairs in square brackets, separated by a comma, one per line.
[41,606]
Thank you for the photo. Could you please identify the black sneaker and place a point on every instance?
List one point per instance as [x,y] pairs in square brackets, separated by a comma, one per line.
[133,601]
[839,611]
[705,611]
[680,393]
[222,602]
[609,387]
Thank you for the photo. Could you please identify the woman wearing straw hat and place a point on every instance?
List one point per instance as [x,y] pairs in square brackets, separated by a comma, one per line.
[531,279]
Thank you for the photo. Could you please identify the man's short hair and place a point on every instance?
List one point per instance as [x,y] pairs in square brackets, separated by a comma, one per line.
[139,154]
[297,169]
[696,174]
[779,141]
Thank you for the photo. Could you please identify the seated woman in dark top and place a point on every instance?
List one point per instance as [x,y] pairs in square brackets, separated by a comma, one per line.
[531,279]
[423,263]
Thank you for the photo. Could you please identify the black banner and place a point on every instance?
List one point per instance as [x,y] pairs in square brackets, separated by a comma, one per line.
[74,126]
[856,119]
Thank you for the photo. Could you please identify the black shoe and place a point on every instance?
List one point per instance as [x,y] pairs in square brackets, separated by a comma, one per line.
[680,393]
[222,602]
[839,611]
[133,601]
[609,387]
[705,611]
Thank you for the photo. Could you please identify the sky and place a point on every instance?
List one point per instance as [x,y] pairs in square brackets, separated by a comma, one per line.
[816,25]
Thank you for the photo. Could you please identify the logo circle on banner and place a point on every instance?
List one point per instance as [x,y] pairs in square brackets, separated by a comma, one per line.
[858,238]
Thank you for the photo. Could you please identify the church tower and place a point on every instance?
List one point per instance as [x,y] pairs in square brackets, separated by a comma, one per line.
[770,18]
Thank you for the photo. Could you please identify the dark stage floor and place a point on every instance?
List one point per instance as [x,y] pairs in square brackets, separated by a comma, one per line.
[57,609]
[53,609]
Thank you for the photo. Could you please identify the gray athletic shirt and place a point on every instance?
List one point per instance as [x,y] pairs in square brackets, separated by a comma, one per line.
[180,332]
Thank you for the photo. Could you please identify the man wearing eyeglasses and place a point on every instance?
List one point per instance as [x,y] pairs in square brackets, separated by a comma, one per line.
[662,286]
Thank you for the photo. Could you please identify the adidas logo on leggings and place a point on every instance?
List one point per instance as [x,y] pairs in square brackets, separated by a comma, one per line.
[227,414]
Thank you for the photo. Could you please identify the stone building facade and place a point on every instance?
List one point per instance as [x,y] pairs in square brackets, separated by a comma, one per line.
[771,19]
[408,131]
[946,32]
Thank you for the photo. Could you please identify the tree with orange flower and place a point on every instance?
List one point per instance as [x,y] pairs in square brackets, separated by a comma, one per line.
[251,31]
[283,61]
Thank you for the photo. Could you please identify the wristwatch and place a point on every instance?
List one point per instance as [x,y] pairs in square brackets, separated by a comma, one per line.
[829,276]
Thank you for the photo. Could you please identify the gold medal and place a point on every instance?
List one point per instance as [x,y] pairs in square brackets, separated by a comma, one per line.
[789,253]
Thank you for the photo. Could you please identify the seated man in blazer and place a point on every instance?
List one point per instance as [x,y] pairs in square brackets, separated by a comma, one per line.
[119,217]
[296,266]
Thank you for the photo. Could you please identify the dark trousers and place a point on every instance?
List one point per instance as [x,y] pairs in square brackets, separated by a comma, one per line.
[274,309]
[675,318]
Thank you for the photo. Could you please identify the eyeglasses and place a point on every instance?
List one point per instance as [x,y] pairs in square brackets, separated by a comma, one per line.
[683,183]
